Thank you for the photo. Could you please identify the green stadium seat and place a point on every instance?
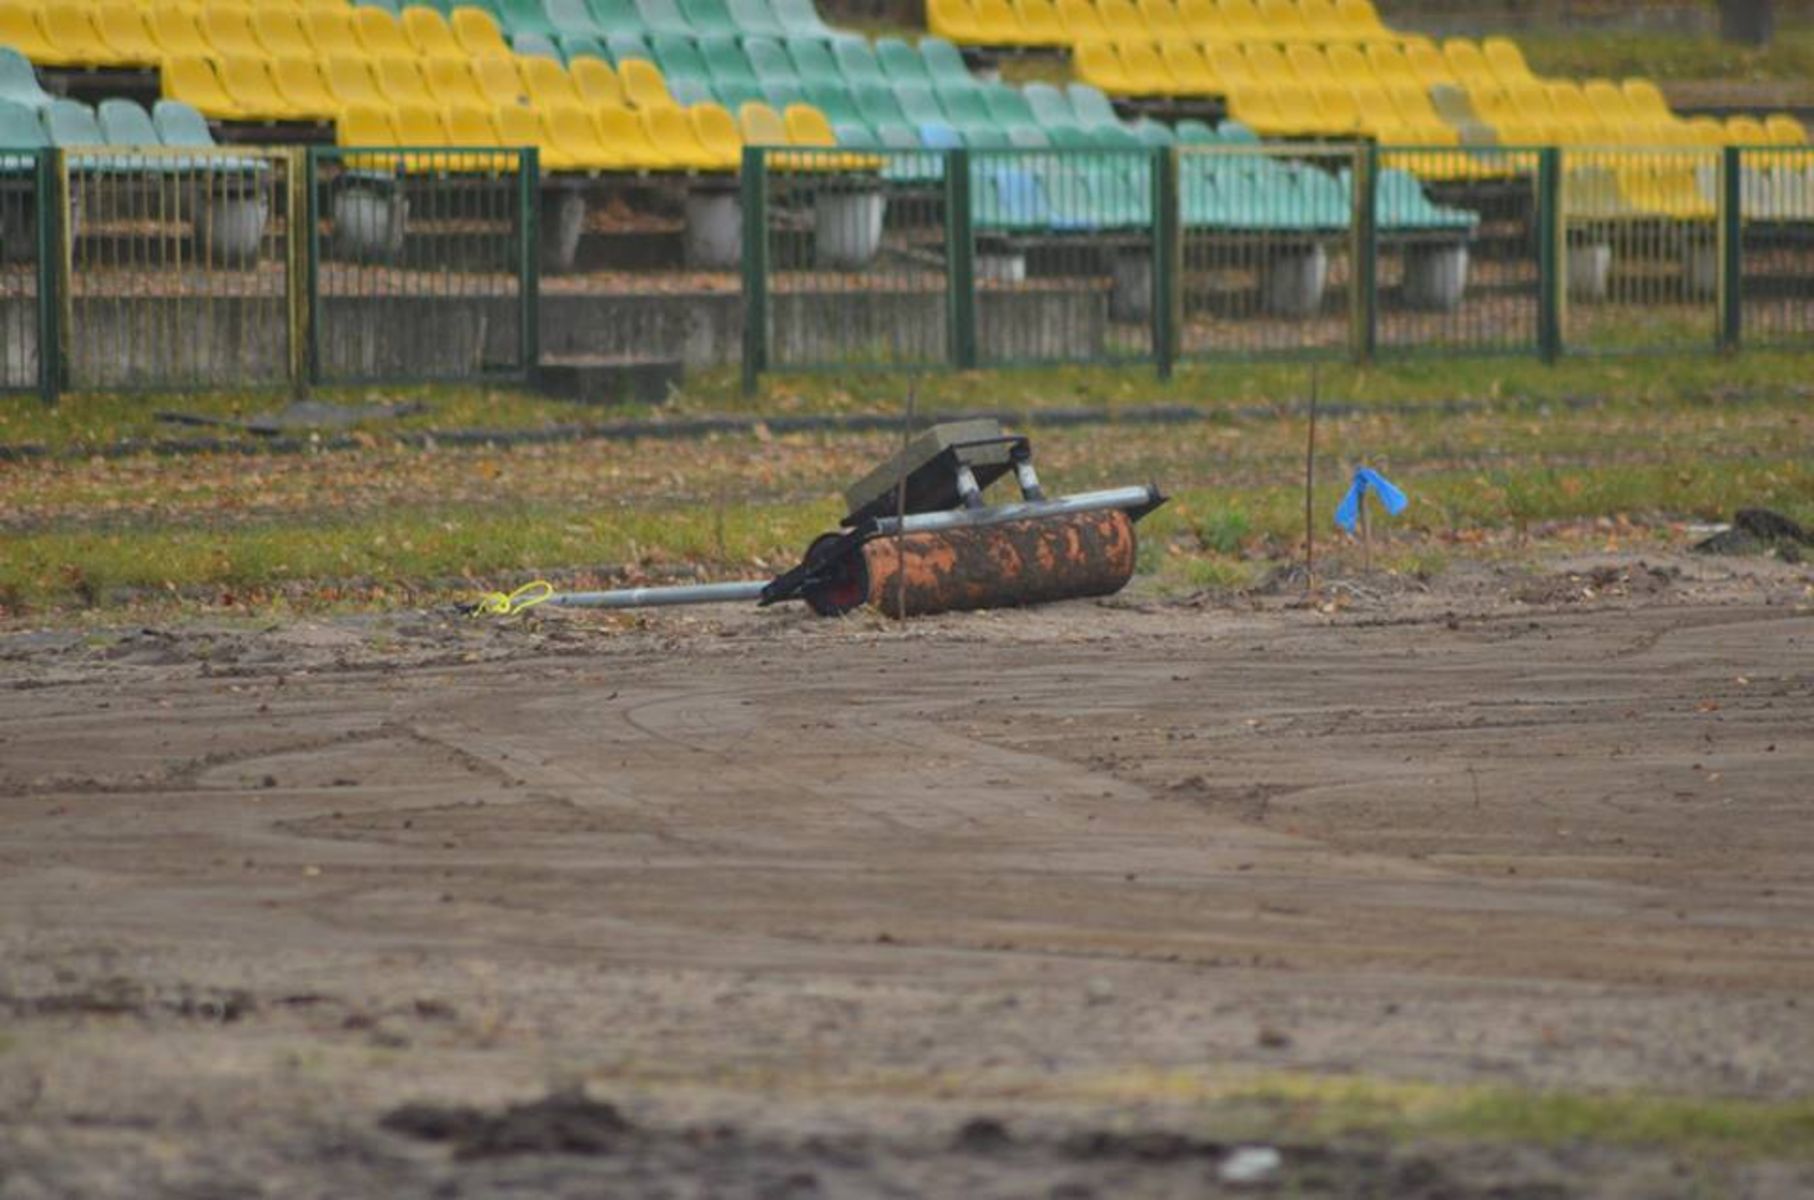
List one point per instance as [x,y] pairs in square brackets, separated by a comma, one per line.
[710,18]
[800,17]
[901,62]
[727,63]
[1090,105]
[857,135]
[578,45]
[967,108]
[625,46]
[679,58]
[1192,132]
[18,82]
[663,16]
[539,45]
[834,99]
[1050,105]
[735,93]
[1154,133]
[755,18]
[858,63]
[779,93]
[879,105]
[389,6]
[522,16]
[769,61]
[124,123]
[20,129]
[813,60]
[1007,106]
[917,105]
[1028,137]
[984,137]
[179,124]
[572,17]
[943,61]
[688,91]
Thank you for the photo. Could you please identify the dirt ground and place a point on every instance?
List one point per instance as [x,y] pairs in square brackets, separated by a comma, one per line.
[730,903]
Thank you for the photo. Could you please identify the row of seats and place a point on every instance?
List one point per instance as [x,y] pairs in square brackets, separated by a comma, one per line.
[1067,22]
[1214,68]
[599,18]
[69,124]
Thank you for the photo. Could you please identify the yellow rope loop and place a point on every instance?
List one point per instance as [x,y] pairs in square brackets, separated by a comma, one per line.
[508,604]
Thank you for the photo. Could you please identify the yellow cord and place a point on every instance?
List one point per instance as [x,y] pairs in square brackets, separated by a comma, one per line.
[509,604]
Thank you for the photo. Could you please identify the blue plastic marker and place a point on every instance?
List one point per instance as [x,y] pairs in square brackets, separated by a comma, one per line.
[1347,513]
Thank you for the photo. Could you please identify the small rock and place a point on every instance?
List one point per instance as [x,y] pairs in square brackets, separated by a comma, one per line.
[1250,1164]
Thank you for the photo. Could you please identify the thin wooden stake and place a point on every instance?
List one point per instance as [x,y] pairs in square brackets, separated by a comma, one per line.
[1310,496]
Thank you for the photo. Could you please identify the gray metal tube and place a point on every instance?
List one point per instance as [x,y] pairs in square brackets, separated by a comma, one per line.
[662,597]
[1000,514]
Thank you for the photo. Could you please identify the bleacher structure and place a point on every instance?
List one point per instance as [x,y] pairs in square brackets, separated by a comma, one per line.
[1253,130]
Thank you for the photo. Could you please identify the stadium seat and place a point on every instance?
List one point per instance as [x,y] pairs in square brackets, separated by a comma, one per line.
[1098,62]
[19,29]
[1361,20]
[70,123]
[1123,21]
[802,16]
[176,33]
[124,123]
[477,32]
[299,82]
[279,31]
[663,17]
[671,129]
[365,125]
[570,140]
[401,82]
[123,26]
[573,17]
[179,124]
[596,82]
[1146,71]
[379,33]
[535,45]
[716,130]
[1082,22]
[71,28]
[191,79]
[953,19]
[761,125]
[228,30]
[1506,60]
[351,82]
[1784,130]
[248,82]
[755,18]
[644,86]
[1162,19]
[1466,62]
[711,18]
[1039,23]
[517,126]
[497,80]
[18,82]
[1190,73]
[522,16]
[806,126]
[329,30]
[1309,65]
[1282,20]
[577,46]
[470,125]
[419,125]
[429,33]
[623,131]
[548,84]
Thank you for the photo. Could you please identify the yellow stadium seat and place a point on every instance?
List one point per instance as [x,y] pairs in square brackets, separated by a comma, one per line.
[622,131]
[517,126]
[669,128]
[1161,16]
[229,31]
[365,125]
[351,82]
[176,33]
[1081,21]
[952,20]
[1428,66]
[1575,114]
[996,23]
[330,31]
[497,80]
[1746,131]
[1190,73]
[1230,65]
[1269,64]
[19,29]
[1123,21]
[1466,60]
[1242,22]
[429,33]
[546,82]
[470,125]
[569,140]
[1340,114]
[1389,64]
[807,126]
[644,86]
[1532,100]
[279,31]
[191,79]
[379,32]
[71,28]
[1308,63]
[1510,126]
[1418,116]
[401,82]
[123,27]
[451,83]
[1505,59]
[1297,109]
[1320,19]
[1146,71]
[1707,131]
[248,82]
[1347,63]
[419,125]
[1645,97]
[478,33]
[1784,130]
[299,81]
[1361,20]
[761,125]
[596,82]
[1283,21]
[1255,106]
[1097,63]
[1039,23]
[716,130]
[1617,116]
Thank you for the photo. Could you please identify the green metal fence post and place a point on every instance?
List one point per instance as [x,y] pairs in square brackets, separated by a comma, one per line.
[299,267]
[529,276]
[960,261]
[1364,335]
[1731,249]
[1166,248]
[754,200]
[50,241]
[1551,230]
[311,186]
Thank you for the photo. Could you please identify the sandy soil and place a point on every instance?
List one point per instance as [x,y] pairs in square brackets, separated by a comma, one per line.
[750,904]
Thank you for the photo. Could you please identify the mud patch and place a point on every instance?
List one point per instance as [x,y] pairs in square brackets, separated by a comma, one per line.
[561,1123]
[1623,581]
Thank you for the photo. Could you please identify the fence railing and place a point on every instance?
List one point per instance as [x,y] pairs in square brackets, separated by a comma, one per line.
[185,269]
[970,257]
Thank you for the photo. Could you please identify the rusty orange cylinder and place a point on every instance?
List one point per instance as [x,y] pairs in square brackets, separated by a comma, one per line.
[992,566]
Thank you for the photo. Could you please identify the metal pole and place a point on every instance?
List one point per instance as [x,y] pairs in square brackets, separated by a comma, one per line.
[662,597]
[1143,498]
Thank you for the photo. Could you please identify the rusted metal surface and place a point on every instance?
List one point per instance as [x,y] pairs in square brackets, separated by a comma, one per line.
[997,566]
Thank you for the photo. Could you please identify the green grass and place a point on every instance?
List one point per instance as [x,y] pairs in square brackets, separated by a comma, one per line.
[1788,58]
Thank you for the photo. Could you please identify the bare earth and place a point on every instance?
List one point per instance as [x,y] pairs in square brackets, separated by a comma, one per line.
[989,905]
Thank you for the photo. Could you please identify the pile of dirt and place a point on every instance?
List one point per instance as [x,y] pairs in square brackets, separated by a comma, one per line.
[1759,531]
[1604,582]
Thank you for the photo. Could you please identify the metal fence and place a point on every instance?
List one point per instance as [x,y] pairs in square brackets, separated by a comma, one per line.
[967,258]
[186,269]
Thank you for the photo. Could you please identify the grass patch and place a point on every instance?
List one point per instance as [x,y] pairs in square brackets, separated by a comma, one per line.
[1789,57]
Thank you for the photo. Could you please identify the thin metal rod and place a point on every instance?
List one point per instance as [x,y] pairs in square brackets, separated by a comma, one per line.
[1000,514]
[662,597]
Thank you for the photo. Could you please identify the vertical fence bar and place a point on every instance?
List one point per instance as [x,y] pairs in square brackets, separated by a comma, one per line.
[755,266]
[311,186]
[1551,230]
[1166,251]
[529,263]
[47,198]
[1364,306]
[1731,248]
[63,224]
[960,260]
[300,282]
